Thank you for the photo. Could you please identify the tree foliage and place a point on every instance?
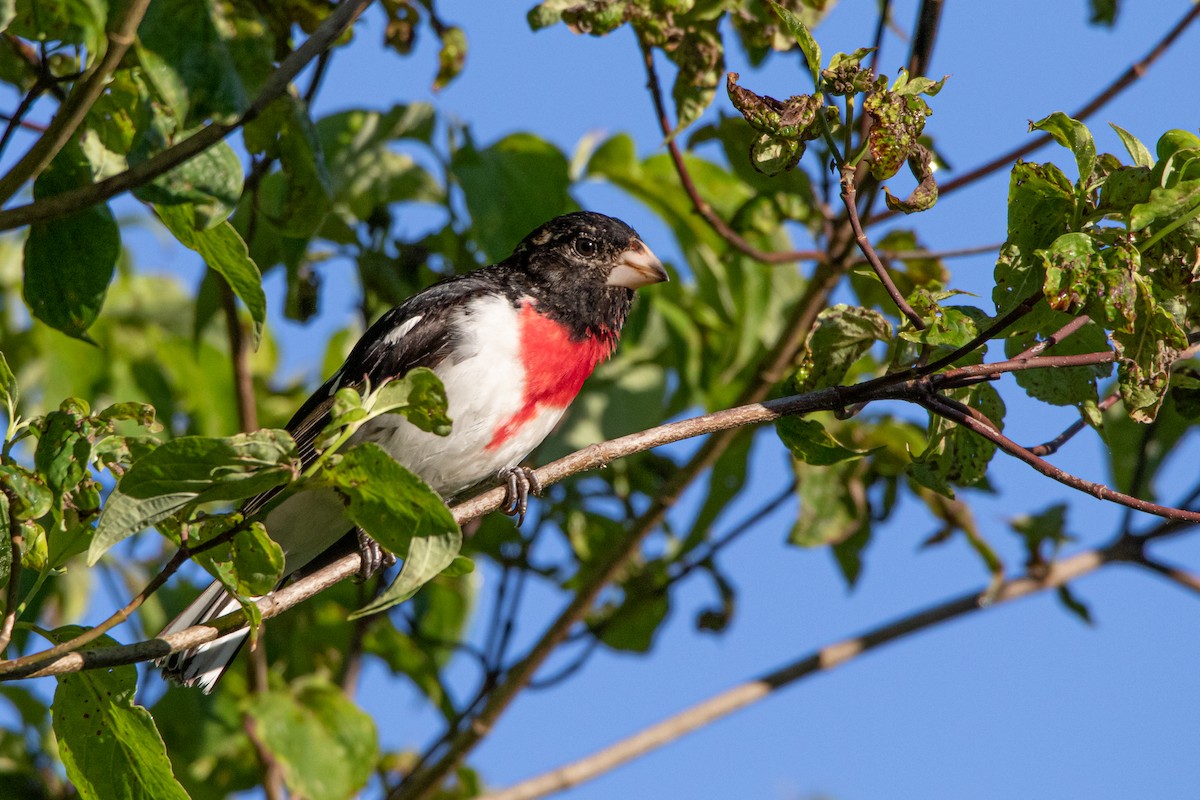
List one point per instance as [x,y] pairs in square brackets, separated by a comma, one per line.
[141,412]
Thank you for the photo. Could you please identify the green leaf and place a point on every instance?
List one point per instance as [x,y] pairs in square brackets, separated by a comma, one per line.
[399,512]
[897,122]
[193,73]
[325,745]
[631,626]
[32,498]
[957,455]
[210,182]
[1079,278]
[1165,205]
[808,45]
[810,442]
[109,746]
[69,261]
[925,194]
[535,178]
[832,503]
[1145,356]
[1047,527]
[63,451]
[9,389]
[419,397]
[451,56]
[1061,386]
[843,334]
[225,252]
[1074,605]
[700,56]
[250,565]
[1040,206]
[285,132]
[193,470]
[1076,137]
[71,22]
[1137,151]
[1175,141]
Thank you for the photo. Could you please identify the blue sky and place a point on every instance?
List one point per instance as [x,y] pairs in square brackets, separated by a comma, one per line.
[1017,701]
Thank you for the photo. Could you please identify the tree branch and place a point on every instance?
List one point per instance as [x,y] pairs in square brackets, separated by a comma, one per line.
[942,407]
[60,205]
[73,110]
[62,658]
[864,244]
[823,660]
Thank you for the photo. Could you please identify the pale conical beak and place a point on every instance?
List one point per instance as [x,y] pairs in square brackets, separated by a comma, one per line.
[637,267]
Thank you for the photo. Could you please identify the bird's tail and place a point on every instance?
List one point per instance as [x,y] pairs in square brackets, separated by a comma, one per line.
[204,664]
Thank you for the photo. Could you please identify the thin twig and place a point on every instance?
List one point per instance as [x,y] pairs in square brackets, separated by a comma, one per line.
[75,199]
[75,108]
[850,200]
[823,660]
[1051,447]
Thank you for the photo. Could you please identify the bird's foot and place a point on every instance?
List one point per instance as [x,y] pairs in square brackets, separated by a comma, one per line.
[374,557]
[518,483]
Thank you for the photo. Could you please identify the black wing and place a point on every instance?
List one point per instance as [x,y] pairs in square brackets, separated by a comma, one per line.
[416,333]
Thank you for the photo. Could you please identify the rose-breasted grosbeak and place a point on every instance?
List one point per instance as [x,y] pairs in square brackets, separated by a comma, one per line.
[512,343]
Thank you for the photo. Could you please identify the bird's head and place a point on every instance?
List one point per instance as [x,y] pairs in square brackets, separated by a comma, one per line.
[589,248]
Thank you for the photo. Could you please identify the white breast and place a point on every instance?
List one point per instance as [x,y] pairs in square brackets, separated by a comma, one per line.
[485,387]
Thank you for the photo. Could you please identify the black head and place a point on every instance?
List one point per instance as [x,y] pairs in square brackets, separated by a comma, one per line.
[590,250]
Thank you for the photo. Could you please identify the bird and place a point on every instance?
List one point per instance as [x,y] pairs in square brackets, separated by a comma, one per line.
[512,343]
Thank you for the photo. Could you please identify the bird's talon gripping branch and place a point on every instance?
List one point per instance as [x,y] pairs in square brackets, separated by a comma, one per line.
[519,483]
[374,557]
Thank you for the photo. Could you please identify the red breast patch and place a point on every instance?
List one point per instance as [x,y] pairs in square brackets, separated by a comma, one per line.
[555,368]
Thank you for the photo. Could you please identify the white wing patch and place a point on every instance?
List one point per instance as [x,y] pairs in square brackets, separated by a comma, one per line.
[398,333]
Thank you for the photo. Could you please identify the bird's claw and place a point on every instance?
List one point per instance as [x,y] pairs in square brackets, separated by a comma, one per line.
[374,557]
[519,482]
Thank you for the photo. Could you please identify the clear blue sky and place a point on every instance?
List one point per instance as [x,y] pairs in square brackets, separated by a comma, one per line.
[1021,701]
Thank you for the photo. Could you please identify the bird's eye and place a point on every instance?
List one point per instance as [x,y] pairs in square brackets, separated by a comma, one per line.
[586,246]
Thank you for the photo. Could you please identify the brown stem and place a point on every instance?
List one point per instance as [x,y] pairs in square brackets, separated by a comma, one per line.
[1051,447]
[850,200]
[273,780]
[73,110]
[714,220]
[239,356]
[70,201]
[834,655]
